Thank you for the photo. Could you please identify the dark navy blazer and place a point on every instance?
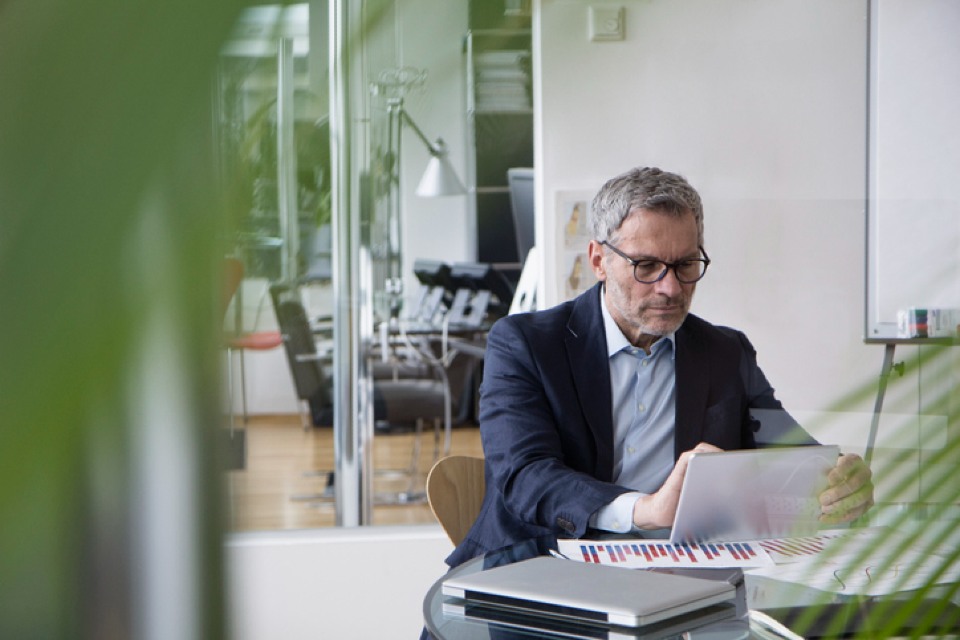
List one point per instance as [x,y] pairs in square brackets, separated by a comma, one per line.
[546,417]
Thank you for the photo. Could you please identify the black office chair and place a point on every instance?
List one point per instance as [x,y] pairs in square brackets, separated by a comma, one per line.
[396,365]
[398,403]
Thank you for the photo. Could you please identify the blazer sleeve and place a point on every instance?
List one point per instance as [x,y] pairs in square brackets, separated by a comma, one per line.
[541,453]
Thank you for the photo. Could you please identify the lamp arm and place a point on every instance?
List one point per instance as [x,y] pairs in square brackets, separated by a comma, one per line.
[434,148]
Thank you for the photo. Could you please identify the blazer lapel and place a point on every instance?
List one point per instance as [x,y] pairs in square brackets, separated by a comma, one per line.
[692,378]
[586,345]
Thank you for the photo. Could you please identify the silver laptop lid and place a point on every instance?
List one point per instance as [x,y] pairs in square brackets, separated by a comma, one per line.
[587,592]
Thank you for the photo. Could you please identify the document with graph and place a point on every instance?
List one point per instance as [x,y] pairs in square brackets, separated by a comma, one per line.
[648,554]
[842,561]
[867,562]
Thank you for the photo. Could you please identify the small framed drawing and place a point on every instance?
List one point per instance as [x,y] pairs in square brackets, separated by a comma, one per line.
[572,269]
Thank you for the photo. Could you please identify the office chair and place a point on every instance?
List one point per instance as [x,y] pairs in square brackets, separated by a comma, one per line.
[455,489]
[396,402]
[383,366]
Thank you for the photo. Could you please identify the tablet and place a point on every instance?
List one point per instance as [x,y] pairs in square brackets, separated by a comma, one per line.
[576,591]
[752,494]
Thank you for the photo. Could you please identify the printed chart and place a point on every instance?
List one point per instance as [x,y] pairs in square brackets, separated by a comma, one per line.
[787,550]
[643,554]
[866,562]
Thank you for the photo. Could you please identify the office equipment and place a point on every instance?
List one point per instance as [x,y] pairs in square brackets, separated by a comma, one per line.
[432,299]
[478,277]
[927,323]
[912,235]
[752,494]
[586,592]
[432,273]
[520,181]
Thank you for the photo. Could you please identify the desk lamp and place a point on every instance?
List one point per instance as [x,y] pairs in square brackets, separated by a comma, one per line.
[439,178]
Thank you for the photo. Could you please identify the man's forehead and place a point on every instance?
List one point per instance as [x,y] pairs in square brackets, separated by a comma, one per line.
[665,211]
[679,223]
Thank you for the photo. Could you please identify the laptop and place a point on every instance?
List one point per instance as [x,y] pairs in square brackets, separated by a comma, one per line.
[538,626]
[576,591]
[753,494]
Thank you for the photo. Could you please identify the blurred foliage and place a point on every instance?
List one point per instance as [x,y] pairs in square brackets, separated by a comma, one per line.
[101,106]
[925,526]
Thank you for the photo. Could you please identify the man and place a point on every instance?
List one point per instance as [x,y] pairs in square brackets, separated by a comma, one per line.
[589,410]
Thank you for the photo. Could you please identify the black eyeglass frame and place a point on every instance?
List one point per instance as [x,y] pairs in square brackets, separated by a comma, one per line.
[635,262]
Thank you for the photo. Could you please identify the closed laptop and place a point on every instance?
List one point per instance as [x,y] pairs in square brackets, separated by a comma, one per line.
[588,592]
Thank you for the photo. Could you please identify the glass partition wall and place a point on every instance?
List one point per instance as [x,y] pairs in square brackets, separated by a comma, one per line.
[310,148]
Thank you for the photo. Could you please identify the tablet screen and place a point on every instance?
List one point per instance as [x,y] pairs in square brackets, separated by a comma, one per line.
[752,494]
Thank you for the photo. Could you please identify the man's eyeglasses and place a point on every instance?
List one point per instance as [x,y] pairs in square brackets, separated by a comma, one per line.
[649,271]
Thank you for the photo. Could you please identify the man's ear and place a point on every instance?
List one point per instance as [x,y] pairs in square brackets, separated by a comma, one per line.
[595,258]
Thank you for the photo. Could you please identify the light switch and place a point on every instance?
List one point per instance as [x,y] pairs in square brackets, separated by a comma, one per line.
[606,23]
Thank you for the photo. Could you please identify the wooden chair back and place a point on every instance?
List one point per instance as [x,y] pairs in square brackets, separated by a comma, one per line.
[455,488]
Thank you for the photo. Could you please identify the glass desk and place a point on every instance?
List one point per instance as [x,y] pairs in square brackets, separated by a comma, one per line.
[450,619]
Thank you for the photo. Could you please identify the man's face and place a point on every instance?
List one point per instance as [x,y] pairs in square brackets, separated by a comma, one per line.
[644,312]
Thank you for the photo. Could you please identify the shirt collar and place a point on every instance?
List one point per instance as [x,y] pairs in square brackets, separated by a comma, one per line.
[617,342]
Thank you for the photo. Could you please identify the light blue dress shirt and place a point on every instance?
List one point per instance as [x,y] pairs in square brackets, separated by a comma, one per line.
[644,401]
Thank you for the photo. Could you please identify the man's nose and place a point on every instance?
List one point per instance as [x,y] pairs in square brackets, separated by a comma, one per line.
[669,285]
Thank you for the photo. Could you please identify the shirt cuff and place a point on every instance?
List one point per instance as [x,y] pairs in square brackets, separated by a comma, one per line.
[618,515]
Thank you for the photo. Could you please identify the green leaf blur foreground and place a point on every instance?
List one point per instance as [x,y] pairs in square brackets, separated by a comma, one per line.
[925,526]
[108,256]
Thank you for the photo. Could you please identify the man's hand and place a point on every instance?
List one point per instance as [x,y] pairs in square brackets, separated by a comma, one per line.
[658,510]
[850,491]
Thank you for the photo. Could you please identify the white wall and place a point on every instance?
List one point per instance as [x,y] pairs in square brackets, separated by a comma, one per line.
[762,106]
[332,583]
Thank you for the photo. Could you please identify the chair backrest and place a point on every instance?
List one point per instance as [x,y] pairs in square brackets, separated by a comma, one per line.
[306,367]
[455,488]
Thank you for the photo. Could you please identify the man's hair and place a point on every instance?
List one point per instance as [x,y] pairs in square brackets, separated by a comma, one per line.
[647,188]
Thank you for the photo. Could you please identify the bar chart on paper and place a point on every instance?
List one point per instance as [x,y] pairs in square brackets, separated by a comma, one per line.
[786,550]
[643,554]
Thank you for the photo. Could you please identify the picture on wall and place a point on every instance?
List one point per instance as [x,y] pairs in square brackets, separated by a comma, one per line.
[573,268]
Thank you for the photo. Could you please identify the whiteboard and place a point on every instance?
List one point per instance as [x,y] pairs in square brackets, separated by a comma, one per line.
[913,194]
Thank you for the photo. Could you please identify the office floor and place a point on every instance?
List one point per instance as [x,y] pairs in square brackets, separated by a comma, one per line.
[285,462]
